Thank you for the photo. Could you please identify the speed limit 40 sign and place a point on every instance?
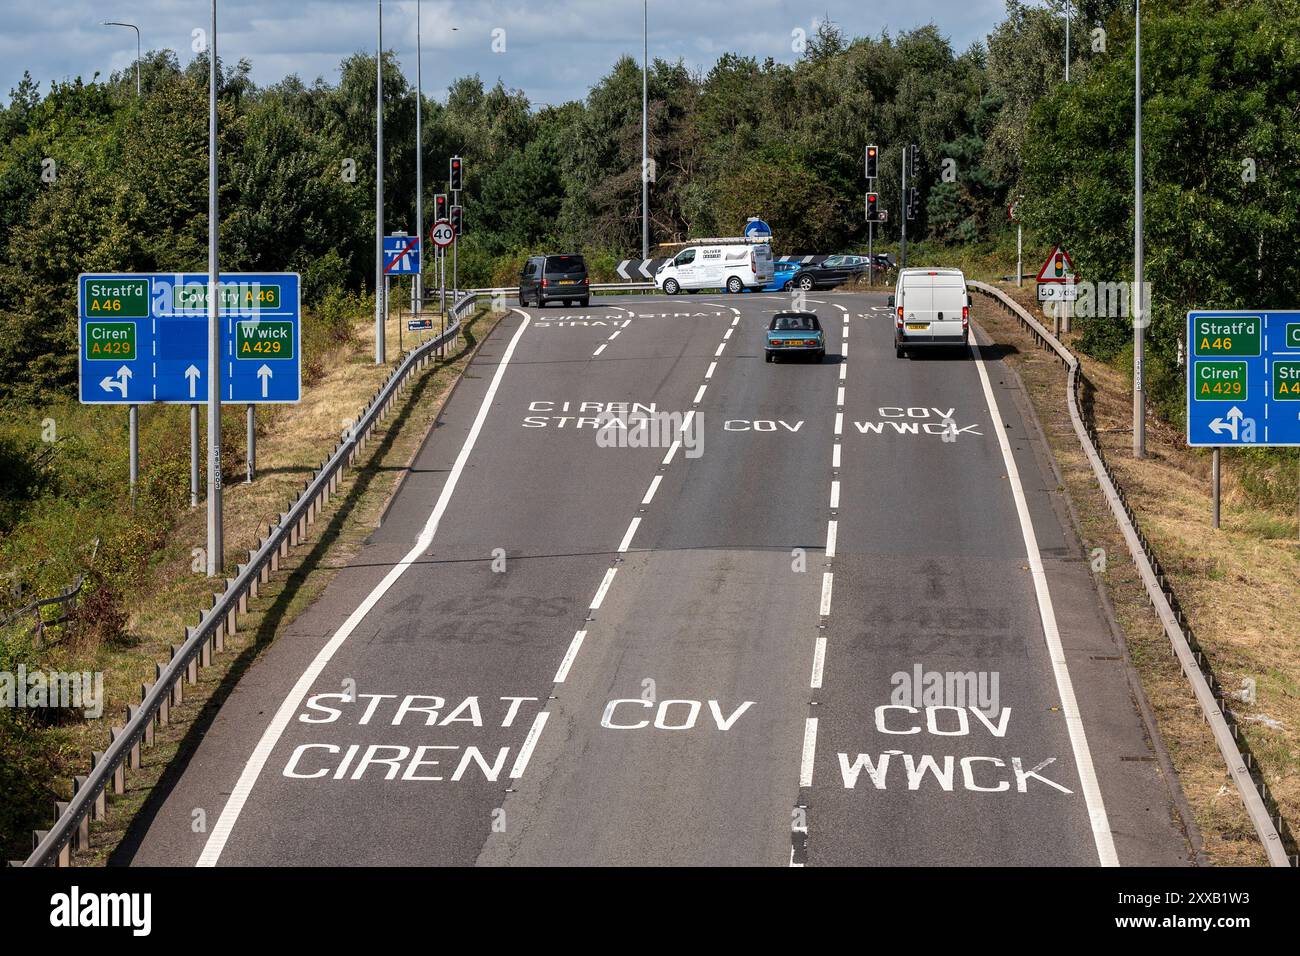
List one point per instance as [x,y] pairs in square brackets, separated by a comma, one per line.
[442,233]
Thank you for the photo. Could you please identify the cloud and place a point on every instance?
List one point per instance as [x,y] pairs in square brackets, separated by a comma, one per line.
[554,50]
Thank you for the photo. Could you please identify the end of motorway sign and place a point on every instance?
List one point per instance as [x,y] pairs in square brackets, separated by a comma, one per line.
[1243,378]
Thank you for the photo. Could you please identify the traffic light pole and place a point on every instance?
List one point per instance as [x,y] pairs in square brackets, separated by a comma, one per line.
[902,215]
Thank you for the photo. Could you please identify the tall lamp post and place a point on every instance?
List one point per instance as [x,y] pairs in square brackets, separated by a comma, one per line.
[1139,303]
[1067,41]
[118,23]
[419,167]
[645,130]
[216,538]
[380,304]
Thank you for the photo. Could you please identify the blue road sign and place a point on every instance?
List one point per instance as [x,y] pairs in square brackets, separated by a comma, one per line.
[401,255]
[1243,378]
[419,325]
[144,338]
[757,230]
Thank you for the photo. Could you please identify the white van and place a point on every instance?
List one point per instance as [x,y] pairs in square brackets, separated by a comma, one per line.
[734,267]
[931,307]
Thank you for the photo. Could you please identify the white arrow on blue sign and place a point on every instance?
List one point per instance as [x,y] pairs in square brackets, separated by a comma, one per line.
[144,338]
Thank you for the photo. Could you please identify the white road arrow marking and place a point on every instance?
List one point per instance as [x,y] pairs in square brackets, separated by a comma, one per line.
[192,373]
[264,374]
[116,384]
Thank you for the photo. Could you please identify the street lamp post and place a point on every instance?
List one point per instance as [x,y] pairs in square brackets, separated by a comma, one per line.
[1139,303]
[118,23]
[1067,41]
[380,304]
[216,542]
[419,167]
[645,130]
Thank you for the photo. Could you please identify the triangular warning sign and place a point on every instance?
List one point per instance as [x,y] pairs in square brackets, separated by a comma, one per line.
[1058,267]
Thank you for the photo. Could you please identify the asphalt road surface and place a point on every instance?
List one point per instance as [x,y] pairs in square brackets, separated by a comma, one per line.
[829,614]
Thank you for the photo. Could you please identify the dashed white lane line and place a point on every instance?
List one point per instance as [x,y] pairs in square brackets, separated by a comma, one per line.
[719,351]
[844,371]
[613,335]
[1101,834]
[713,366]
[729,331]
[627,537]
[650,492]
[809,752]
[603,589]
[828,583]
[839,423]
[699,395]
[526,751]
[835,456]
[569,655]
[832,532]
[225,824]
[839,398]
[835,495]
[599,350]
[844,349]
[819,662]
[672,450]
[626,323]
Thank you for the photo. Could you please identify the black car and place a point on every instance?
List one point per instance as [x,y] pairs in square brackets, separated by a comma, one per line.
[830,272]
[554,279]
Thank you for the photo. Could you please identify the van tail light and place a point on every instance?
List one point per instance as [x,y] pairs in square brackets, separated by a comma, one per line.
[543,283]
[965,317]
[898,319]
[585,280]
[753,263]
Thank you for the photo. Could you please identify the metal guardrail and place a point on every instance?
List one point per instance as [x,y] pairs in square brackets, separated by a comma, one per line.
[71,827]
[1274,834]
[67,597]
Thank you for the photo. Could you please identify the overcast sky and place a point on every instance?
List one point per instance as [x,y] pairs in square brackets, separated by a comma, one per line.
[554,49]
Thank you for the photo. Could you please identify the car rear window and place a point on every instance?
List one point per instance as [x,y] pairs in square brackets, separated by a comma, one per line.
[794,323]
[565,265]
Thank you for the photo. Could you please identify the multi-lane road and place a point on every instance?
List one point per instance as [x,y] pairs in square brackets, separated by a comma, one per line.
[833,614]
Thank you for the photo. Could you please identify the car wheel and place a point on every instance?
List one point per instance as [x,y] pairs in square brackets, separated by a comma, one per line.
[899,351]
[821,355]
[767,356]
[735,286]
[522,299]
[806,283]
[671,287]
[789,284]
[585,302]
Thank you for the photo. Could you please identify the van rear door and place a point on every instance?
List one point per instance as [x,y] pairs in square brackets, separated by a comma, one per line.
[948,302]
[918,304]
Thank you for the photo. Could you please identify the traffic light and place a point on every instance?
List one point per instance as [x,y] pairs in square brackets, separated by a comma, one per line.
[873,207]
[873,159]
[454,174]
[913,159]
[458,219]
[913,203]
[439,206]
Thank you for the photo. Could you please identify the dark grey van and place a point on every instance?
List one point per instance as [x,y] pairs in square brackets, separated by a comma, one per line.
[554,279]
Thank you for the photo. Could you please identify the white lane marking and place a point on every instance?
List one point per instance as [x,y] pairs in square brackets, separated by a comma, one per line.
[712,368]
[672,450]
[699,395]
[839,423]
[599,350]
[728,335]
[613,335]
[626,322]
[832,532]
[844,371]
[225,824]
[526,751]
[828,581]
[569,655]
[844,349]
[809,752]
[819,663]
[835,456]
[720,348]
[654,486]
[835,494]
[686,421]
[839,398]
[603,589]
[627,537]
[1047,613]
[845,332]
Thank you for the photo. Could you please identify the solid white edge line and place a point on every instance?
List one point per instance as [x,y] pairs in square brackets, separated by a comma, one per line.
[828,582]
[526,751]
[809,752]
[603,589]
[819,663]
[225,824]
[832,532]
[1101,834]
[569,655]
[627,537]
[650,492]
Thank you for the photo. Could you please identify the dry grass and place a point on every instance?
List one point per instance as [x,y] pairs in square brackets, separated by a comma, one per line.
[292,441]
[1237,587]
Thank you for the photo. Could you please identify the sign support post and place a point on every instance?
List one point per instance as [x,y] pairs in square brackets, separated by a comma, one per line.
[251,425]
[1020,265]
[1215,473]
[194,456]
[133,418]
